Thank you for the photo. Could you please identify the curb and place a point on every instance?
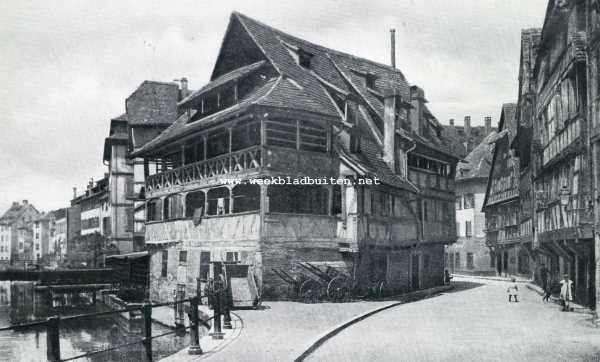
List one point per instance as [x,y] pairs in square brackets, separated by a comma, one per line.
[409,297]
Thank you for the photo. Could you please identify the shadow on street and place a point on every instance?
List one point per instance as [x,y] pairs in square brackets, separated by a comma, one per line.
[462,285]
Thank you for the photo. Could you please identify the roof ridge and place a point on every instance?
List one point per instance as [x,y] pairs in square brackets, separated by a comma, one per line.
[160,82]
[326,49]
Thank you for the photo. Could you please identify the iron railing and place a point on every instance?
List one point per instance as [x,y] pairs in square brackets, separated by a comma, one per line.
[53,323]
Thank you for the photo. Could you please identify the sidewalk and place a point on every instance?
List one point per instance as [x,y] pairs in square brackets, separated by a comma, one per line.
[165,315]
[283,331]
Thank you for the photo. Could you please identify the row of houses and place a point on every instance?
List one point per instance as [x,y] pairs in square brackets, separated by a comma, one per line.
[541,201]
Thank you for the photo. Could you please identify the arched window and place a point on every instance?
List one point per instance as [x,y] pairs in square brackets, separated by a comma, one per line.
[218,201]
[298,199]
[173,207]
[246,198]
[195,201]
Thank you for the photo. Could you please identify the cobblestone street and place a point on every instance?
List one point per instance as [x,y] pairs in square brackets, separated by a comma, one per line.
[472,323]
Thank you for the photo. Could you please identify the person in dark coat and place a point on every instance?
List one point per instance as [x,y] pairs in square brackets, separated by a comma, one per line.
[544,277]
[447,277]
[544,282]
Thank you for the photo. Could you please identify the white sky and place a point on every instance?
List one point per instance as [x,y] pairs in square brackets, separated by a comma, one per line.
[66,67]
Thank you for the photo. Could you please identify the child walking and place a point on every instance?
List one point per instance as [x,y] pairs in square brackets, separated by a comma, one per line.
[513,291]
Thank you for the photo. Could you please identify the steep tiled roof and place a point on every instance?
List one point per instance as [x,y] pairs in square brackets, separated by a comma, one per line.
[370,164]
[457,138]
[479,161]
[153,103]
[508,120]
[301,88]
[15,211]
[229,77]
[182,126]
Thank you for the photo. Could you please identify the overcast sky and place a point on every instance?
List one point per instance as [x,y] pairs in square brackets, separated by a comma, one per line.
[66,67]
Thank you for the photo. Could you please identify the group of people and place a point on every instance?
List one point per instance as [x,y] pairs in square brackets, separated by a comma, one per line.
[550,284]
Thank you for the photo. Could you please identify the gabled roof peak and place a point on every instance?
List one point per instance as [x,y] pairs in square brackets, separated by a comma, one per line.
[243,17]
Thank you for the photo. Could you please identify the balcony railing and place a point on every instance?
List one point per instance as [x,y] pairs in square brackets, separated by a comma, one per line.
[239,161]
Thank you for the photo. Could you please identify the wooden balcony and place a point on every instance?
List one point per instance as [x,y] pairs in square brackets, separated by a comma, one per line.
[235,162]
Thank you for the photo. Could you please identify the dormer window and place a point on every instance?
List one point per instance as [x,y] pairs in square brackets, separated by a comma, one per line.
[370,79]
[304,58]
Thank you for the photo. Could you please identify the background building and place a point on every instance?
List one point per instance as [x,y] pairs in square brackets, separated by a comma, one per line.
[470,254]
[41,238]
[17,232]
[463,139]
[149,110]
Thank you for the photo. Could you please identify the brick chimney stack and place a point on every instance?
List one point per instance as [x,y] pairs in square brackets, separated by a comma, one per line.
[488,124]
[417,101]
[74,192]
[25,202]
[468,126]
[391,100]
[393,47]
[452,122]
[184,84]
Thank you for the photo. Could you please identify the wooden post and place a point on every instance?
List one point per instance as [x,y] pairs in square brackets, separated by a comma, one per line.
[194,334]
[147,310]
[217,333]
[52,340]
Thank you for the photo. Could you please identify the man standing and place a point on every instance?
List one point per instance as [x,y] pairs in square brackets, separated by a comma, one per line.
[544,278]
[566,293]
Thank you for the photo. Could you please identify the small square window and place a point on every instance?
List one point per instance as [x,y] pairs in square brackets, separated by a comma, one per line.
[183,256]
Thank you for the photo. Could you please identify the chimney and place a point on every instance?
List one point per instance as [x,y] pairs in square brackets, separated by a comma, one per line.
[417,101]
[468,126]
[488,124]
[452,122]
[15,203]
[25,202]
[391,102]
[184,84]
[393,47]
[184,91]
[74,192]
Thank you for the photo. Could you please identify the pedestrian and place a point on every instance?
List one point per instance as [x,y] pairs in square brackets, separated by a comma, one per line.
[548,290]
[544,277]
[447,277]
[513,291]
[566,293]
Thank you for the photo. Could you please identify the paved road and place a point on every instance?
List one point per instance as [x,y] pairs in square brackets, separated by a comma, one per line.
[473,323]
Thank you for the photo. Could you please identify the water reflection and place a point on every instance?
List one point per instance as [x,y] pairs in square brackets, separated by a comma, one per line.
[21,302]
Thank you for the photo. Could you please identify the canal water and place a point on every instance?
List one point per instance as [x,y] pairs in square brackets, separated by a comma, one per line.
[21,303]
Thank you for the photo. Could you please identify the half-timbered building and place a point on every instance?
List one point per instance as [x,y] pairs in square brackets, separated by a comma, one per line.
[562,166]
[278,110]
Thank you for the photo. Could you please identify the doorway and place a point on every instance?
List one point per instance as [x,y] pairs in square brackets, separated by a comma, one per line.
[415,272]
